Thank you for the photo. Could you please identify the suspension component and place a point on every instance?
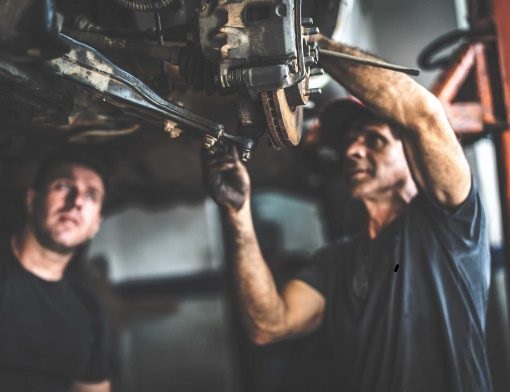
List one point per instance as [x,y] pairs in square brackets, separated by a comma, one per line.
[85,66]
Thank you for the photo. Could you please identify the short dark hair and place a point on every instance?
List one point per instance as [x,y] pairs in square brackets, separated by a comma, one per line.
[71,155]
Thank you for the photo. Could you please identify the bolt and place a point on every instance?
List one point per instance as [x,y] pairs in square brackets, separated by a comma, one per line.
[245,155]
[313,91]
[310,30]
[306,22]
[202,7]
[171,129]
[209,141]
[316,72]
[174,133]
[310,60]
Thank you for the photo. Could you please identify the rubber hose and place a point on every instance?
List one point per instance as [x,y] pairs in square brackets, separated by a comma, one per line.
[135,5]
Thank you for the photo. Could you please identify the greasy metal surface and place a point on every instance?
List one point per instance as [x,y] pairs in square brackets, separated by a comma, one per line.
[258,45]
[248,34]
[88,67]
[271,53]
[244,32]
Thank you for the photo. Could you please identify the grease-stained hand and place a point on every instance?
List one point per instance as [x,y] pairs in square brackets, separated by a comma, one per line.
[225,177]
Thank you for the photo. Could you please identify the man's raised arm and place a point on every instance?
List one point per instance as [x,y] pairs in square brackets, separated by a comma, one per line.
[269,315]
[435,156]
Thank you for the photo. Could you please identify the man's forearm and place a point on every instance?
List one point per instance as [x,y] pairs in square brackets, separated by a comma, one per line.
[260,300]
[391,95]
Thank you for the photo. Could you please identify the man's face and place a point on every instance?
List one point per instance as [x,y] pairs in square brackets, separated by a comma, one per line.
[375,162]
[67,212]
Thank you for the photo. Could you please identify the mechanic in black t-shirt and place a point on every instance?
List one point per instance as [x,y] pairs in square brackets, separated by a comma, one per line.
[53,334]
[402,303]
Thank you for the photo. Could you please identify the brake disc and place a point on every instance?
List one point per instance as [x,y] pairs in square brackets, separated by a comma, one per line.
[283,121]
[284,115]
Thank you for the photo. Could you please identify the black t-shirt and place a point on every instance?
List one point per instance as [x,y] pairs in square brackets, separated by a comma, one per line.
[51,333]
[420,328]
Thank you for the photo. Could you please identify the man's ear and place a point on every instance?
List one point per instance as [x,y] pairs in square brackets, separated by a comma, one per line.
[29,201]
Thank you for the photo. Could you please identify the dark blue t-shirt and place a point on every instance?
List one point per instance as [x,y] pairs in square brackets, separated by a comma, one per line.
[421,328]
[51,333]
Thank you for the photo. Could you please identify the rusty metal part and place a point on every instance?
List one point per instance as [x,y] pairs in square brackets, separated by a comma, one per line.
[284,113]
[476,115]
[261,46]
[86,66]
[240,32]
[298,94]
[283,120]
[264,48]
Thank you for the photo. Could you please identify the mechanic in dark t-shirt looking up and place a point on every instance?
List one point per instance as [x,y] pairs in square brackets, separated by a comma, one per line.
[53,333]
[418,327]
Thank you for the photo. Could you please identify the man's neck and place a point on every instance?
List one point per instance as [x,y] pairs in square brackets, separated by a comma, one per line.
[384,209]
[40,261]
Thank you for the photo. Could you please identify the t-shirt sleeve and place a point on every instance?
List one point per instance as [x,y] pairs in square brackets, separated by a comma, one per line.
[462,233]
[318,272]
[460,229]
[98,367]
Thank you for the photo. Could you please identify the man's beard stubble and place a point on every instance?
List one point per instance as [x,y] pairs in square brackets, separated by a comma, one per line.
[44,238]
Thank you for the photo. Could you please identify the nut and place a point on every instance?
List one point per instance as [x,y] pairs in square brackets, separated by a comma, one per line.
[209,141]
[245,155]
[172,130]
